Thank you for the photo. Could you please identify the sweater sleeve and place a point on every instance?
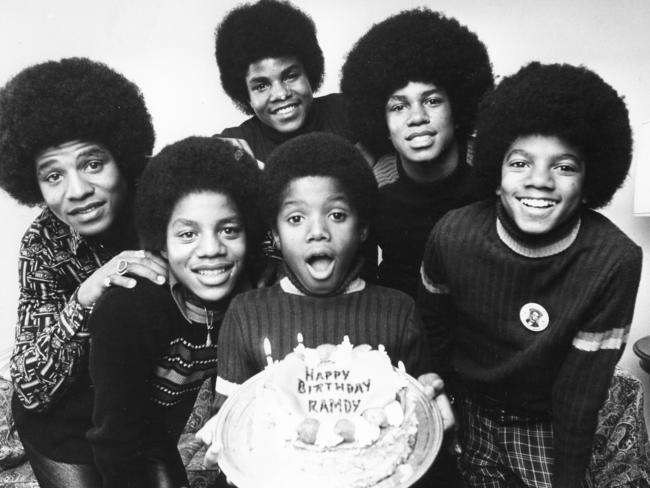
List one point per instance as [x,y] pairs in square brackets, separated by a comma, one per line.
[122,356]
[585,375]
[435,306]
[235,363]
[51,334]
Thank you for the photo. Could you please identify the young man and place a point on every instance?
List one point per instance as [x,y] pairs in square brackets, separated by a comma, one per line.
[270,65]
[413,83]
[528,298]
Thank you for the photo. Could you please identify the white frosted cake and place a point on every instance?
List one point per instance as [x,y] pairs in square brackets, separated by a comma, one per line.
[333,416]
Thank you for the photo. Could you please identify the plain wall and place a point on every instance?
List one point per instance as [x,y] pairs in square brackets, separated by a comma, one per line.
[167,46]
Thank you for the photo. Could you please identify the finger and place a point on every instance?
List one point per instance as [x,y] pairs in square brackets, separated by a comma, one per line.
[446,411]
[154,275]
[123,281]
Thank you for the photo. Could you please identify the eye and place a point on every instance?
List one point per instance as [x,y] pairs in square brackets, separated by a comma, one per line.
[187,235]
[94,165]
[232,231]
[517,163]
[292,75]
[338,216]
[567,167]
[295,219]
[53,177]
[396,107]
[259,87]
[434,101]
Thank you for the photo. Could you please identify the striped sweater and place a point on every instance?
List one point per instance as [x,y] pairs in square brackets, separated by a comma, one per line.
[367,314]
[540,328]
[147,363]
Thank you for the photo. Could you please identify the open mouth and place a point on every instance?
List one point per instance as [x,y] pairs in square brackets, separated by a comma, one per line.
[214,274]
[538,202]
[285,109]
[320,265]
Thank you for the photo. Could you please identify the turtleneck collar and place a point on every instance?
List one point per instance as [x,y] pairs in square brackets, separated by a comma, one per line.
[533,245]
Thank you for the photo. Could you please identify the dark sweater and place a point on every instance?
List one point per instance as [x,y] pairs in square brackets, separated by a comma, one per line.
[475,284]
[147,362]
[406,213]
[327,114]
[373,315]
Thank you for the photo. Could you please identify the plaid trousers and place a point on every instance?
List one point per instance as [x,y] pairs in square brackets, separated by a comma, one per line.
[504,451]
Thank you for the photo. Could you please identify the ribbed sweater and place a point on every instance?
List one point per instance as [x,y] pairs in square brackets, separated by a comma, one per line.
[406,213]
[373,315]
[477,281]
[327,114]
[147,363]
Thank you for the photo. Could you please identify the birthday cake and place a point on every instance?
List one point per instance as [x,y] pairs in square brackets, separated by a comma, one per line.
[333,416]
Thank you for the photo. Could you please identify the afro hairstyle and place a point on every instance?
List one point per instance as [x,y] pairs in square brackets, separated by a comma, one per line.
[568,102]
[319,154]
[266,29]
[195,165]
[415,45]
[55,102]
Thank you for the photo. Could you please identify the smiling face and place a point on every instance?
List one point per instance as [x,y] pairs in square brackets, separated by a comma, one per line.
[279,92]
[206,245]
[82,185]
[319,232]
[421,128]
[542,181]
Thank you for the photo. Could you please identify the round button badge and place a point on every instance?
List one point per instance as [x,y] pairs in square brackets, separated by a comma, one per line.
[534,317]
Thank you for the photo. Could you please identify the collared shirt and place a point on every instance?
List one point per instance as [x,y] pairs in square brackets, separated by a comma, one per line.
[52,338]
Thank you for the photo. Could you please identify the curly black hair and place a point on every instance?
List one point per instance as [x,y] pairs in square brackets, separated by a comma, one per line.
[319,154]
[196,164]
[55,102]
[266,29]
[569,102]
[414,45]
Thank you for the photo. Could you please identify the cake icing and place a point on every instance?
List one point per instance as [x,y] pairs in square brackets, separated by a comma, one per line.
[335,416]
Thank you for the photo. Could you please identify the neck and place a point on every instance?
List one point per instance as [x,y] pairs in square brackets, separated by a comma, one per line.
[433,170]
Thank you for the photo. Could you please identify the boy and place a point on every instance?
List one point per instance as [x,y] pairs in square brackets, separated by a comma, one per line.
[528,299]
[270,65]
[318,198]
[413,83]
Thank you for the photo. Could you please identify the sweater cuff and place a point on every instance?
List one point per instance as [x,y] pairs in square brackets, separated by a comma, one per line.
[74,317]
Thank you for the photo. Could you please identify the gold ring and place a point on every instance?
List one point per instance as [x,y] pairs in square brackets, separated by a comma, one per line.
[122,266]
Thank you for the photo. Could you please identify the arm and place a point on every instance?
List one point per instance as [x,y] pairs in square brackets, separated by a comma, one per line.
[586,372]
[51,335]
[436,308]
[125,346]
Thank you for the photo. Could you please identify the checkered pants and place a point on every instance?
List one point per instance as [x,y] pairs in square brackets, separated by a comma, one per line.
[504,451]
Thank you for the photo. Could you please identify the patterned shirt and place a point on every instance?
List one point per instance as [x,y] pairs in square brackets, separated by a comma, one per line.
[51,336]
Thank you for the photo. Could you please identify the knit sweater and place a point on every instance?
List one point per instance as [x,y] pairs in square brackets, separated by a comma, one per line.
[406,213]
[147,362]
[541,329]
[327,114]
[367,314]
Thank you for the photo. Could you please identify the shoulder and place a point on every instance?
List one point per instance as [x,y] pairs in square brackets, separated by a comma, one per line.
[146,303]
[598,231]
[388,295]
[333,101]
[259,296]
[240,131]
[475,215]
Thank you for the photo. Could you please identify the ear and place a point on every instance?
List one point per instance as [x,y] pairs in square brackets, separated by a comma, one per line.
[498,191]
[363,232]
[163,253]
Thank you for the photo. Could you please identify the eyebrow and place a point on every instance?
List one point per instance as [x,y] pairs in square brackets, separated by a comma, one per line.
[258,79]
[336,198]
[91,151]
[228,220]
[575,157]
[432,91]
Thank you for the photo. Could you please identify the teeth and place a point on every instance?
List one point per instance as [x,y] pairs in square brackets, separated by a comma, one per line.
[212,272]
[285,110]
[538,202]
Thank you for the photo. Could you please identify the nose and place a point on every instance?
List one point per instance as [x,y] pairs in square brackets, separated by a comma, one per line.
[417,115]
[280,91]
[318,230]
[78,187]
[211,245]
[540,176]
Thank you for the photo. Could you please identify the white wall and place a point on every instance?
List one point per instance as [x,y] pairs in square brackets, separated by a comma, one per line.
[166,47]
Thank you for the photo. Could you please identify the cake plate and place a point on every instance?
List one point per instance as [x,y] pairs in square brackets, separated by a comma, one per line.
[238,464]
